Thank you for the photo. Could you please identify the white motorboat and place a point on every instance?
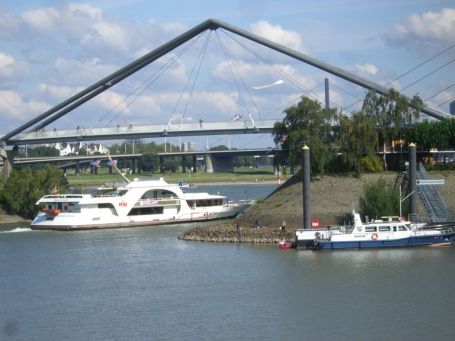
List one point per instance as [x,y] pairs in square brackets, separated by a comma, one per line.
[383,233]
[138,203]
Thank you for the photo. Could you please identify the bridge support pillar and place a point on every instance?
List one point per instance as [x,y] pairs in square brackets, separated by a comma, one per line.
[161,164]
[133,165]
[139,166]
[78,168]
[8,159]
[412,176]
[194,164]
[183,164]
[222,163]
[208,164]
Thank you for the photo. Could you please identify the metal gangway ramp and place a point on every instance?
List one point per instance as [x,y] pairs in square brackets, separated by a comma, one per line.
[435,207]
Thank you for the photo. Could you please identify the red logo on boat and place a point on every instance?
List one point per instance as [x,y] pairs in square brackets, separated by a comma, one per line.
[123,204]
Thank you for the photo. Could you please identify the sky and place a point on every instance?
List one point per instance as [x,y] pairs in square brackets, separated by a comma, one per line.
[50,50]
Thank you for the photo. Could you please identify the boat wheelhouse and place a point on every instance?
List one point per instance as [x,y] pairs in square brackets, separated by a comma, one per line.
[150,202]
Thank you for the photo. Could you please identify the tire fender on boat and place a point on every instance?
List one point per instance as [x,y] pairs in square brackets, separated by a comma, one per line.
[374,236]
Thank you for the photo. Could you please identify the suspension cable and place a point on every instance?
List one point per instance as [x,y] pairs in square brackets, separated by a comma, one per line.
[238,76]
[439,92]
[131,97]
[198,60]
[428,74]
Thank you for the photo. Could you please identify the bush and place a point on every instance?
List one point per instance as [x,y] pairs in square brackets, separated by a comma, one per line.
[380,199]
[24,187]
[372,164]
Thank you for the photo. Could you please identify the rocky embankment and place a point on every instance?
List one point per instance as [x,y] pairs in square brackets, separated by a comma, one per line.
[332,201]
[228,234]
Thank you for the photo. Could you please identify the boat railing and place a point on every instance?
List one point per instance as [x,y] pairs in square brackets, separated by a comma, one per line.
[240,202]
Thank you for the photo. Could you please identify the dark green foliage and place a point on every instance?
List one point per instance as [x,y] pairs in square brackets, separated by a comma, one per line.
[380,199]
[391,113]
[150,163]
[219,147]
[171,165]
[306,123]
[432,134]
[372,164]
[40,151]
[357,137]
[24,187]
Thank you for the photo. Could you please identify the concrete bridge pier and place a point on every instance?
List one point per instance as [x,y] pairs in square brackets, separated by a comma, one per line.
[161,164]
[208,164]
[78,168]
[194,164]
[133,165]
[183,164]
[8,159]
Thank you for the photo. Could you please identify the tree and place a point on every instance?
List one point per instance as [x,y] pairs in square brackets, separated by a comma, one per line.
[306,123]
[357,138]
[391,112]
[432,134]
[40,151]
[220,147]
[24,187]
[380,199]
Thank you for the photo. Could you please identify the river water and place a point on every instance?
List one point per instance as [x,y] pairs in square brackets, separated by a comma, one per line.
[145,284]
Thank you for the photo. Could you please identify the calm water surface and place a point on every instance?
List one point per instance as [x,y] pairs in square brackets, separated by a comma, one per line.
[145,284]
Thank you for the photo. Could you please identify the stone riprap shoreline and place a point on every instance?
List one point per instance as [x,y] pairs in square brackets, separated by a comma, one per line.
[227,233]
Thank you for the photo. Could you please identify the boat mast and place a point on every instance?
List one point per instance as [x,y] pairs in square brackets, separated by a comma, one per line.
[116,168]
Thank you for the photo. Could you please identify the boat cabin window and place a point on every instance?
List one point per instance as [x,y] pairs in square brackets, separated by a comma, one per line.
[163,194]
[105,205]
[205,203]
[371,228]
[402,228]
[145,210]
[384,228]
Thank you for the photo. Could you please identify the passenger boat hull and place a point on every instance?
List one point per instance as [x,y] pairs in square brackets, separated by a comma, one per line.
[446,240]
[63,223]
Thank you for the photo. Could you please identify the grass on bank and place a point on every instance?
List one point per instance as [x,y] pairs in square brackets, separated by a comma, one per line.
[239,175]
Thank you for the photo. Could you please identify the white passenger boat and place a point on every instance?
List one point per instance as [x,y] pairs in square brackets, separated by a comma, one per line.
[382,233]
[138,203]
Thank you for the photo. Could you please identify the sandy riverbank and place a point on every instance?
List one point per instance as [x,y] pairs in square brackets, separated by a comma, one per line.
[11,219]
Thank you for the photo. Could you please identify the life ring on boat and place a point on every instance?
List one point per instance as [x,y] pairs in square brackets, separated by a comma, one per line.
[374,236]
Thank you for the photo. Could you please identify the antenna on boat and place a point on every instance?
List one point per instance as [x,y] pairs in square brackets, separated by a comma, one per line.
[114,164]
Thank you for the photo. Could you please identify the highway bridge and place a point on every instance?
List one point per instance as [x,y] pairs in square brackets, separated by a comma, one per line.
[214,160]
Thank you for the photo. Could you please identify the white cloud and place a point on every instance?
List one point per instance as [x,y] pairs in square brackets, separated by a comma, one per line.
[257,74]
[81,72]
[14,106]
[57,92]
[10,68]
[426,31]
[277,34]
[43,19]
[368,69]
